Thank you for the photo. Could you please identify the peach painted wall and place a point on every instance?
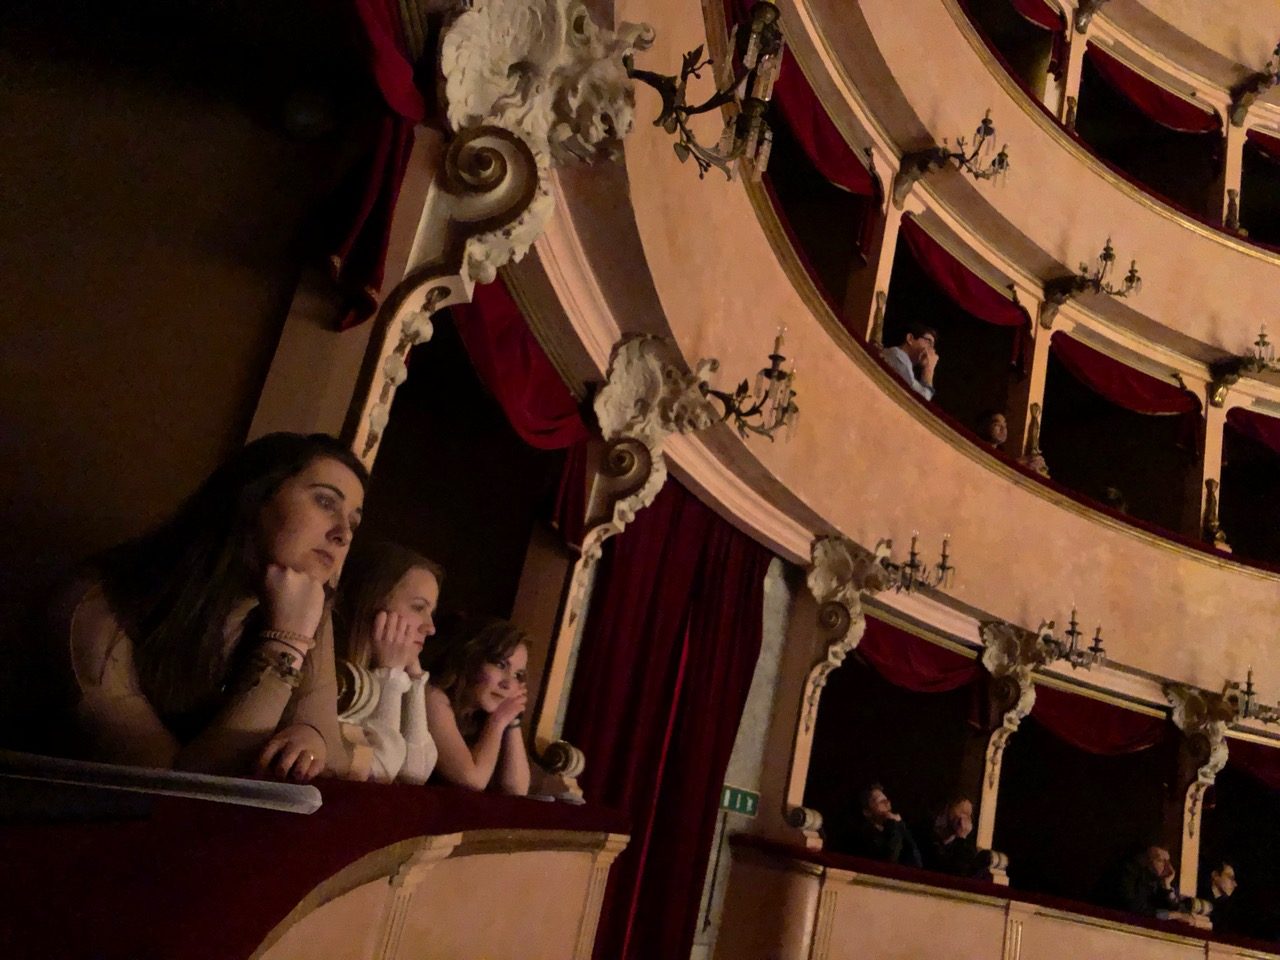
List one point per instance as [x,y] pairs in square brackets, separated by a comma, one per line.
[871,464]
[1241,30]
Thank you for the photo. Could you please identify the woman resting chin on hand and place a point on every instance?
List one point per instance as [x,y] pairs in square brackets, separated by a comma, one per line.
[384,615]
[475,705]
[205,644]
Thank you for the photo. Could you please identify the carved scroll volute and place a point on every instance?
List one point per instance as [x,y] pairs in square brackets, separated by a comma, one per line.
[646,397]
[487,180]
[1203,718]
[840,574]
[546,72]
[1010,654]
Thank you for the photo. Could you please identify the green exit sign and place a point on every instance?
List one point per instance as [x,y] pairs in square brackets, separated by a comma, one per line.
[737,800]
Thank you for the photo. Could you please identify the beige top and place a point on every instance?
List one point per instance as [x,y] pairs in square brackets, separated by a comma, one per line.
[116,723]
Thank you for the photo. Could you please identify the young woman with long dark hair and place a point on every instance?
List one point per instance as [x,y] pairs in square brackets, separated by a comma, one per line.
[382,618]
[205,644]
[475,704]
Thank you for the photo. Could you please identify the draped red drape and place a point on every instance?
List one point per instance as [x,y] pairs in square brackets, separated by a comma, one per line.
[1095,726]
[667,656]
[1047,17]
[357,222]
[515,369]
[913,663]
[967,290]
[1120,383]
[1266,143]
[1258,426]
[1158,104]
[1259,761]
[810,124]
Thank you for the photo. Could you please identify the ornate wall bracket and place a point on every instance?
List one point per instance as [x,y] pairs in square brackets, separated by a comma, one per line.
[1010,654]
[1203,718]
[914,167]
[1223,375]
[1245,93]
[1057,292]
[1084,14]
[546,72]
[647,396]
[530,84]
[486,182]
[840,573]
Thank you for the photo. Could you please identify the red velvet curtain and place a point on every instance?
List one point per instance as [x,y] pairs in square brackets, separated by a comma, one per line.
[515,369]
[1094,725]
[358,219]
[667,656]
[1259,761]
[1120,383]
[1266,143]
[1159,105]
[1047,17]
[1258,426]
[968,291]
[913,663]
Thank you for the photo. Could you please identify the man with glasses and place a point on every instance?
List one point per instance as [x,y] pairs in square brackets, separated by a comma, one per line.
[917,352]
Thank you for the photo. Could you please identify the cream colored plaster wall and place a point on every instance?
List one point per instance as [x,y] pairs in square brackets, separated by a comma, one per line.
[898,925]
[872,464]
[1066,204]
[1241,30]
[789,910]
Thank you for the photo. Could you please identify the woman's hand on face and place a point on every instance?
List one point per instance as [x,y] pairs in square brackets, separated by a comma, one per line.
[295,753]
[396,643]
[510,708]
[294,601]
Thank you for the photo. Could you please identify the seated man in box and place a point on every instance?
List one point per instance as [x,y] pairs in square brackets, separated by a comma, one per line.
[915,359]
[876,833]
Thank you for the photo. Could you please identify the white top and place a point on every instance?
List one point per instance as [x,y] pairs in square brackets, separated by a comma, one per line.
[900,363]
[394,721]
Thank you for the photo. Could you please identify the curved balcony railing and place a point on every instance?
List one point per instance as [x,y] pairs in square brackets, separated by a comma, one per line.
[819,899]
[109,876]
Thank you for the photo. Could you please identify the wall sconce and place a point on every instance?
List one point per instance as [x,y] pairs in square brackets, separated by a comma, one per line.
[1225,372]
[912,574]
[1096,280]
[1069,649]
[1262,355]
[916,165]
[1244,93]
[1247,705]
[746,136]
[766,407]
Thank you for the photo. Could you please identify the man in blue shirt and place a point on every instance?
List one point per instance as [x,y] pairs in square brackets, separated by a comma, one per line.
[918,351]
